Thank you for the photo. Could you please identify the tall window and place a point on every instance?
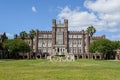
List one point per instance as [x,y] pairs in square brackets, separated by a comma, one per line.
[79,50]
[79,42]
[69,50]
[59,38]
[40,35]
[70,36]
[49,36]
[49,43]
[44,49]
[74,50]
[74,36]
[49,50]
[40,43]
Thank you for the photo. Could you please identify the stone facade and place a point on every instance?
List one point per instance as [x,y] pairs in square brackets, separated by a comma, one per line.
[61,41]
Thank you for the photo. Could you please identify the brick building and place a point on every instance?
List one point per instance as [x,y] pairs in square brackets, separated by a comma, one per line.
[61,41]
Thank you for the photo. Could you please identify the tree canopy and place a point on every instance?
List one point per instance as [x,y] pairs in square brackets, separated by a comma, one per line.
[16,46]
[102,46]
[116,44]
[91,30]
[32,34]
[23,34]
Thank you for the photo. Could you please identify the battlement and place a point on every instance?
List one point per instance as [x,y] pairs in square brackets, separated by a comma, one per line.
[78,32]
[45,32]
[59,24]
[97,37]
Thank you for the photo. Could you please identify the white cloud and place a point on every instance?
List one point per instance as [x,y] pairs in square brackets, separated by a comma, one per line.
[77,20]
[107,11]
[103,6]
[10,35]
[34,9]
[114,37]
[113,30]
[103,14]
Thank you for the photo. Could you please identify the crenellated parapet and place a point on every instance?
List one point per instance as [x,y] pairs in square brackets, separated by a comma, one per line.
[45,32]
[97,37]
[77,32]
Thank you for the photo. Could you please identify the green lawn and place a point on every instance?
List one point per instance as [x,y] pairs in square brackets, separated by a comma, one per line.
[46,70]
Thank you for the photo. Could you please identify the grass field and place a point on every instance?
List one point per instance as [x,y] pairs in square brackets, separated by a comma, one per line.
[46,70]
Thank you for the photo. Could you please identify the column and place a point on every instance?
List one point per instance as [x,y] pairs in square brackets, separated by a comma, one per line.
[87,42]
[66,33]
[53,34]
[77,52]
[83,43]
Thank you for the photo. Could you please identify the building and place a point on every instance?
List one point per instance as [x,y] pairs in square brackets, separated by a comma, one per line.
[61,41]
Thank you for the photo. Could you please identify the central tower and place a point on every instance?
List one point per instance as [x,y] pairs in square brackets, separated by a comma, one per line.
[60,37]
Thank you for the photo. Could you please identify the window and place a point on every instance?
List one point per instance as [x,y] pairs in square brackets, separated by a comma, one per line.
[40,43]
[79,42]
[69,42]
[69,50]
[49,50]
[58,29]
[70,36]
[44,43]
[75,42]
[40,35]
[44,49]
[79,36]
[49,36]
[74,50]
[79,50]
[59,38]
[49,43]
[74,36]
[44,35]
[39,49]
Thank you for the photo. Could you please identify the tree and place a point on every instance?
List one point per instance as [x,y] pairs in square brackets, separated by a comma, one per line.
[16,46]
[103,46]
[23,35]
[116,44]
[4,37]
[32,34]
[91,30]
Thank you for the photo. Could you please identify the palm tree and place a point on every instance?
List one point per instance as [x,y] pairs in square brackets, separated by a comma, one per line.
[91,30]
[23,35]
[32,34]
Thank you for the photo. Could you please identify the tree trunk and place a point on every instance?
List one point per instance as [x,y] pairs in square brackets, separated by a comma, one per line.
[32,48]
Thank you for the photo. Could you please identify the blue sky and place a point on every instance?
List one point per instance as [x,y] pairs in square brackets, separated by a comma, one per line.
[23,15]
